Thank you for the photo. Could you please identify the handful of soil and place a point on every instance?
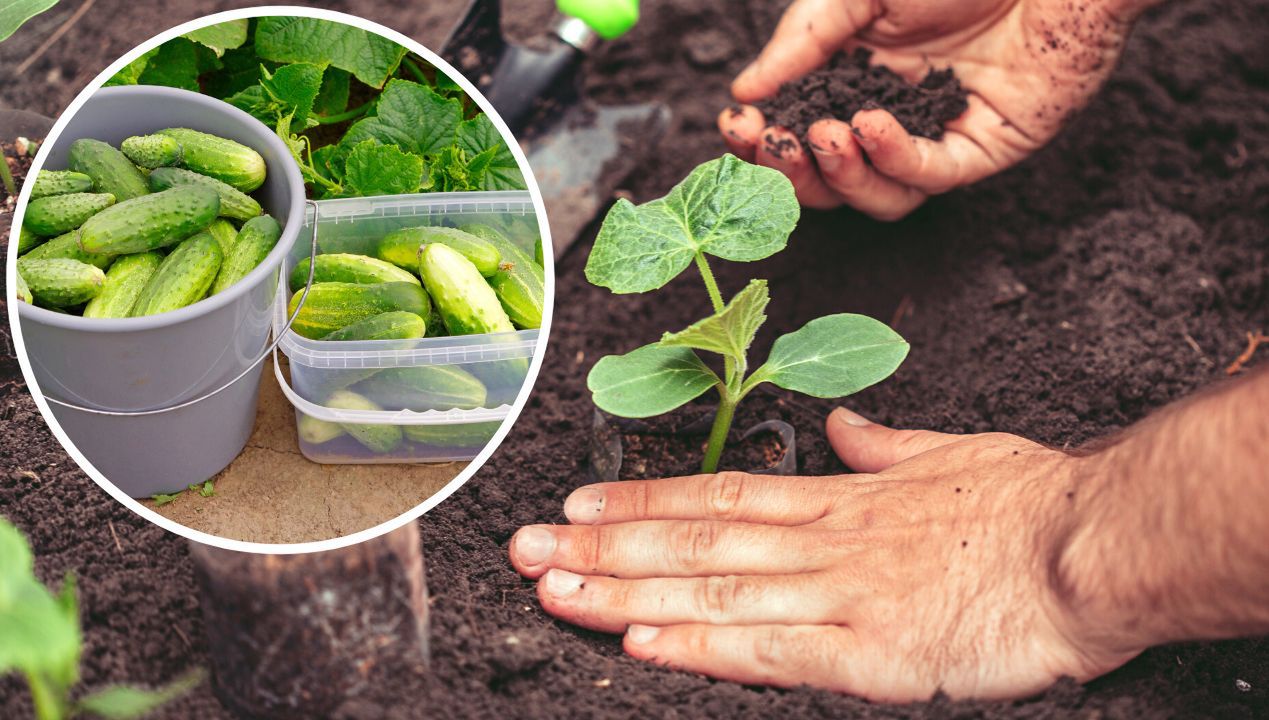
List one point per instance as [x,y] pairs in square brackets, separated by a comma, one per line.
[849,84]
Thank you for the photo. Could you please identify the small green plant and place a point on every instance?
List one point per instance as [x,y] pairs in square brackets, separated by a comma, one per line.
[735,211]
[40,638]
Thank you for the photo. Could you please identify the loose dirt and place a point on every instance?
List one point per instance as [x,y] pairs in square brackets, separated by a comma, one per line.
[1115,271]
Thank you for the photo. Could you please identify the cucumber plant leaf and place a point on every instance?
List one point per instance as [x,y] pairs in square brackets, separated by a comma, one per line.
[176,65]
[729,332]
[477,136]
[122,702]
[40,630]
[833,356]
[370,58]
[332,99]
[649,381]
[221,36]
[374,169]
[726,207]
[132,72]
[289,90]
[15,13]
[411,116]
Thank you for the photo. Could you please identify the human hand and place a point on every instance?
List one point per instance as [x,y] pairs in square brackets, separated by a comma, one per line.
[1028,66]
[940,566]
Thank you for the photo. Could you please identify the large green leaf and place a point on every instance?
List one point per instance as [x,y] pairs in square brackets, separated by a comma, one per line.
[374,169]
[13,13]
[221,36]
[333,98]
[833,356]
[730,332]
[370,58]
[132,72]
[649,381]
[411,116]
[176,65]
[499,171]
[289,90]
[725,207]
[122,702]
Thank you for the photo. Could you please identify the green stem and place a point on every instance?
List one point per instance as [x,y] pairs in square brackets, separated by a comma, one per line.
[718,433]
[6,176]
[48,706]
[346,115]
[711,286]
[417,72]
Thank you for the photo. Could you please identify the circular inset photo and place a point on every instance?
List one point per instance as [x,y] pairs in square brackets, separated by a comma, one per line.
[280,279]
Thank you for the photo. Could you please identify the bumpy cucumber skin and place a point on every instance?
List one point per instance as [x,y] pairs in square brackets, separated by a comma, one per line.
[183,278]
[60,182]
[255,241]
[376,438]
[112,172]
[519,289]
[234,203]
[150,222]
[61,282]
[67,246]
[402,247]
[346,267]
[395,325]
[471,435]
[226,160]
[334,305]
[124,283]
[424,387]
[225,233]
[316,432]
[22,290]
[152,151]
[467,304]
[56,214]
[28,241]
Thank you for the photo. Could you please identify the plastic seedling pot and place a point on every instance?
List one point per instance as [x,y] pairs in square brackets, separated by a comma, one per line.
[163,362]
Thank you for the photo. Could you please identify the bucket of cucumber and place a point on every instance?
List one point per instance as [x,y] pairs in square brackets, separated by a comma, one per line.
[149,259]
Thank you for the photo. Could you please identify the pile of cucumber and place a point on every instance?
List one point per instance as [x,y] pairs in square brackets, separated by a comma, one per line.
[420,282]
[157,224]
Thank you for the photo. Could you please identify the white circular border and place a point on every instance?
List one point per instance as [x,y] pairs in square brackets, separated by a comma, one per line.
[363,535]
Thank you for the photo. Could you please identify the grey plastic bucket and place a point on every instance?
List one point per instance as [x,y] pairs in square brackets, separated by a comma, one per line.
[160,361]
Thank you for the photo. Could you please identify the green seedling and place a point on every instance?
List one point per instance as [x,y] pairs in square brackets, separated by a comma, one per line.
[740,212]
[40,638]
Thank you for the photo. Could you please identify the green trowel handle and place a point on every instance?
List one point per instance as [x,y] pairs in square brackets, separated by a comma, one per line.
[610,19]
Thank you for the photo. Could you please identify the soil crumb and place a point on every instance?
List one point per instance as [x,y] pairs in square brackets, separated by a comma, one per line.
[849,84]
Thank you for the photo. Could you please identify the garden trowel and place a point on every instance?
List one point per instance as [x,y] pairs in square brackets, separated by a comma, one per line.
[578,151]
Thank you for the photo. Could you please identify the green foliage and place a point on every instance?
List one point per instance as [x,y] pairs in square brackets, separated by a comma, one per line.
[414,133]
[14,13]
[40,638]
[736,211]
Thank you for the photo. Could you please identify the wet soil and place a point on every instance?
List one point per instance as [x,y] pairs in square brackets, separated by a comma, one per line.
[1113,272]
[849,84]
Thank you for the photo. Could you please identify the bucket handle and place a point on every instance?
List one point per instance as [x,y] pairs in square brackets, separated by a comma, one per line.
[312,265]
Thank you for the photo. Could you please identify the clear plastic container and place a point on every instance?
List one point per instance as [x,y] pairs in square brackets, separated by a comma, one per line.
[441,398]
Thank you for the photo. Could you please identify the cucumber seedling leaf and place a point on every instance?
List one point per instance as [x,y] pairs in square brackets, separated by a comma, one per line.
[221,36]
[122,702]
[374,169]
[726,207]
[13,13]
[731,331]
[40,631]
[833,356]
[649,381]
[370,58]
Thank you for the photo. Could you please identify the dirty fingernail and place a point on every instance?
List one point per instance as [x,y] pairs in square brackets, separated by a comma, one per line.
[562,583]
[852,418]
[584,505]
[534,545]
[642,634]
[829,162]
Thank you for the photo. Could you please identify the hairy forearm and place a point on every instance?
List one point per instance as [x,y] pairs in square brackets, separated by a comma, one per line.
[1172,541]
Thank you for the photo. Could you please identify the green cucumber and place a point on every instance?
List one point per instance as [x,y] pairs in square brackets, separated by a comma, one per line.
[376,438]
[60,182]
[334,305]
[424,387]
[61,282]
[152,151]
[467,304]
[256,240]
[510,252]
[124,282]
[112,172]
[27,240]
[519,289]
[67,246]
[227,161]
[402,247]
[346,267]
[234,203]
[150,222]
[225,233]
[316,432]
[56,214]
[183,278]
[395,325]
[22,290]
[470,435]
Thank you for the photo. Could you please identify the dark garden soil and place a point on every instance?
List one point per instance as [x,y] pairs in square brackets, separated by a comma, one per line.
[1117,270]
